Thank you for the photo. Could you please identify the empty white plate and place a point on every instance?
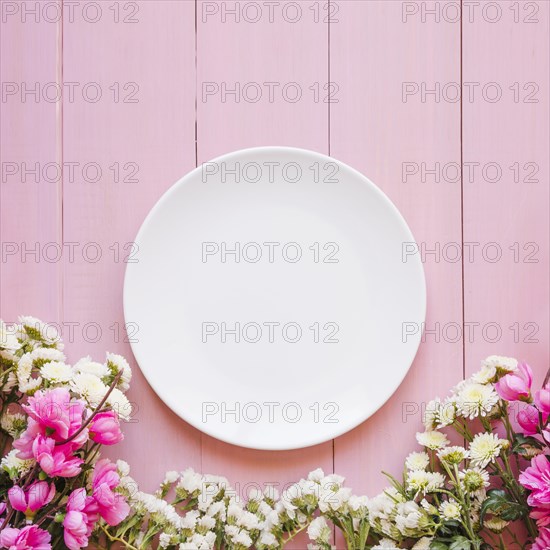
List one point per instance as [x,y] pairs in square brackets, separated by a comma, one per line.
[274,298]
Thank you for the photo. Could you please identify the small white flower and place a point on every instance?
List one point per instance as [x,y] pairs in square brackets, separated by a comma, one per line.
[426,482]
[164,540]
[268,539]
[450,509]
[486,374]
[432,439]
[86,365]
[502,364]
[417,461]
[316,475]
[453,455]
[120,404]
[89,387]
[475,400]
[123,467]
[319,530]
[8,340]
[386,544]
[485,448]
[117,363]
[56,372]
[408,516]
[34,329]
[190,481]
[14,424]
[171,477]
[14,466]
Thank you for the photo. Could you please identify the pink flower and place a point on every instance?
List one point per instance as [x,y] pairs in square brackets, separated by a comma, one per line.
[28,538]
[536,478]
[52,414]
[543,541]
[38,494]
[55,461]
[80,519]
[112,507]
[514,387]
[105,428]
[58,417]
[542,400]
[528,419]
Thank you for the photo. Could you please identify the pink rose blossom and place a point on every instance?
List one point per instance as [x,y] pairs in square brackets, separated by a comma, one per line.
[543,540]
[28,538]
[105,428]
[112,507]
[542,400]
[55,460]
[80,519]
[516,386]
[30,500]
[528,419]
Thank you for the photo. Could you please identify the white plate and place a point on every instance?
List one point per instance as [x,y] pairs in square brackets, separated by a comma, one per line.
[325,315]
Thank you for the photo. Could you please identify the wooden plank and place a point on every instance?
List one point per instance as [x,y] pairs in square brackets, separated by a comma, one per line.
[30,184]
[507,193]
[138,59]
[384,127]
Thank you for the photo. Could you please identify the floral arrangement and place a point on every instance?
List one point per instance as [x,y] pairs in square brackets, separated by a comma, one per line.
[481,467]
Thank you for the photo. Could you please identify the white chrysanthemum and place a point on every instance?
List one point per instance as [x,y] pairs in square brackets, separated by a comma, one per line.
[425,482]
[502,364]
[495,524]
[432,439]
[431,414]
[56,372]
[34,329]
[475,400]
[319,531]
[486,374]
[453,455]
[15,424]
[485,448]
[450,509]
[14,466]
[117,363]
[423,544]
[120,404]
[86,365]
[30,386]
[8,340]
[89,387]
[474,479]
[417,461]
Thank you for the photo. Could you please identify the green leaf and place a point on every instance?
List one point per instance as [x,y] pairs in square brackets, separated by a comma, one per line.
[437,545]
[499,504]
[460,543]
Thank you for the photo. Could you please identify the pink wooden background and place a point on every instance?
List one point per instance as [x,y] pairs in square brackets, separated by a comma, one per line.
[396,66]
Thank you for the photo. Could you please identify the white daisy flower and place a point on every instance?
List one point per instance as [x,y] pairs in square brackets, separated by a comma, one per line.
[15,424]
[450,509]
[453,455]
[432,439]
[417,461]
[120,404]
[117,363]
[475,400]
[502,364]
[14,466]
[57,372]
[89,387]
[485,448]
[486,374]
[8,340]
[474,479]
[86,365]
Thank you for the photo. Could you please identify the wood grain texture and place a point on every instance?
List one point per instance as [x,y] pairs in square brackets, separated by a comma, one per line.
[506,193]
[145,117]
[30,204]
